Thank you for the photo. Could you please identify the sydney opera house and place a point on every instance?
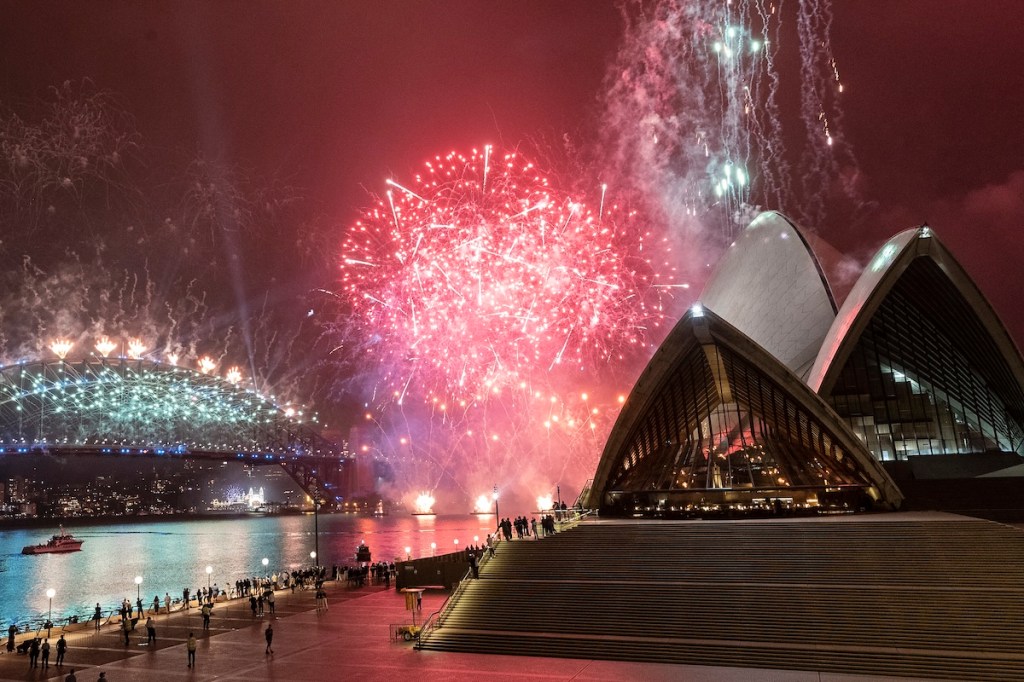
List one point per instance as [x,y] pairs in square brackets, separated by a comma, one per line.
[784,387]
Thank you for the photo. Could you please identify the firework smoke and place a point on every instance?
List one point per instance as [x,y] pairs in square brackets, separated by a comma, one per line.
[695,120]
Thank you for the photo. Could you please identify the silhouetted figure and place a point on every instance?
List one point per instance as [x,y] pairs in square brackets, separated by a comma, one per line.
[62,647]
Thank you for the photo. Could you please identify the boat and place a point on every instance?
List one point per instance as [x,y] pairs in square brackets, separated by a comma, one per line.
[63,542]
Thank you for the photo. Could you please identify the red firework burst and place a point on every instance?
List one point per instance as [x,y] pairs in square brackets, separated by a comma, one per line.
[482,276]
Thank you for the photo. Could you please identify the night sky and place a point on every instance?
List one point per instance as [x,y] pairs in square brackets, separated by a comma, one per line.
[335,96]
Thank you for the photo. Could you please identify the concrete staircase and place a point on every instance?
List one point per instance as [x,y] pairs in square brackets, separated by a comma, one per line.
[925,595]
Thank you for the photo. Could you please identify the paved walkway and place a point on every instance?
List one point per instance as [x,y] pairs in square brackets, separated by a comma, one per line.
[347,642]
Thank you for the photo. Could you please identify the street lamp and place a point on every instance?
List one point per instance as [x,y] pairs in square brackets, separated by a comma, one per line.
[495,496]
[265,562]
[433,548]
[408,553]
[49,619]
[138,588]
[209,571]
[316,523]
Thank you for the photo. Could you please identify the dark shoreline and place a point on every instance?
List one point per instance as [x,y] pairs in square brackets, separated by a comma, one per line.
[77,521]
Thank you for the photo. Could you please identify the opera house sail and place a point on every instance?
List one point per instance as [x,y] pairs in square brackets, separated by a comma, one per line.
[918,364]
[716,421]
[775,389]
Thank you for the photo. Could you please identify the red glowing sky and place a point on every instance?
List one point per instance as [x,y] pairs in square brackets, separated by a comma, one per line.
[337,95]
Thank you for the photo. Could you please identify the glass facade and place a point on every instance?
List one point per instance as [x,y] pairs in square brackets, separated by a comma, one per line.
[718,423]
[925,378]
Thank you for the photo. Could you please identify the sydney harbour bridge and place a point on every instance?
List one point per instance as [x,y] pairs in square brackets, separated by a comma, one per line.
[142,408]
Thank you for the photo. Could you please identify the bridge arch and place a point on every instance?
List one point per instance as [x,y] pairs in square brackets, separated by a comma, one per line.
[125,406]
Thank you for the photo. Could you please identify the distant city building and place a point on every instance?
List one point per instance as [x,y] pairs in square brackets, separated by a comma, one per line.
[780,388]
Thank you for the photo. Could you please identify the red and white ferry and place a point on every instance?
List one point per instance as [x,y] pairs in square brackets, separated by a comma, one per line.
[63,542]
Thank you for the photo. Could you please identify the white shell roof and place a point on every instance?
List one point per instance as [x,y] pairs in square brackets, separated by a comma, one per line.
[876,270]
[770,286]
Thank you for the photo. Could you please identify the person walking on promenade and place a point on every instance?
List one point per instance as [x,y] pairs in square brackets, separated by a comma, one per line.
[12,632]
[46,653]
[271,600]
[167,601]
[191,646]
[150,631]
[33,654]
[62,648]
[206,615]
[269,634]
[125,629]
[98,616]
[156,603]
[71,676]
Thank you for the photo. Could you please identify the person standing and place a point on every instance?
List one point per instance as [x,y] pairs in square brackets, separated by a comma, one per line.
[271,601]
[62,647]
[33,654]
[12,632]
[269,634]
[46,653]
[167,601]
[156,603]
[150,631]
[206,615]
[124,629]
[98,615]
[191,646]
[71,676]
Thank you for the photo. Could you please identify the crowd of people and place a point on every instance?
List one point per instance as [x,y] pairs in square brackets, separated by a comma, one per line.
[525,528]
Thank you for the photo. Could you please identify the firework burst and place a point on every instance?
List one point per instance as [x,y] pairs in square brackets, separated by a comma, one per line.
[481,276]
[482,296]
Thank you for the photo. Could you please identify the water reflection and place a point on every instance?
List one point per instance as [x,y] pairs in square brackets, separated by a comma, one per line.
[170,555]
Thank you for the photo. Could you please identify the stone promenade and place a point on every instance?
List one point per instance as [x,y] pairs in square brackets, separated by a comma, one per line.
[349,641]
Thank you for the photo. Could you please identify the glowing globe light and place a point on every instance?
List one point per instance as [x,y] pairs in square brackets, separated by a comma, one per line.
[136,348]
[207,364]
[234,375]
[105,346]
[61,347]
[424,503]
[545,502]
[483,504]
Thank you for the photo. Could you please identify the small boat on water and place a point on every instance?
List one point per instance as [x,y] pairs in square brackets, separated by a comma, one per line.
[63,542]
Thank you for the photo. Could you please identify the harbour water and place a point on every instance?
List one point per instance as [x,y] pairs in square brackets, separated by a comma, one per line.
[170,555]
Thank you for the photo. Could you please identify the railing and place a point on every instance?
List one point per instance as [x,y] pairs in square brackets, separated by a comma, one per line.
[436,619]
[570,518]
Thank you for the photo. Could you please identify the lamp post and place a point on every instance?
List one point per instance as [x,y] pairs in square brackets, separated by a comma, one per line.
[138,588]
[49,618]
[408,553]
[265,563]
[495,495]
[316,523]
[433,548]
[209,571]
